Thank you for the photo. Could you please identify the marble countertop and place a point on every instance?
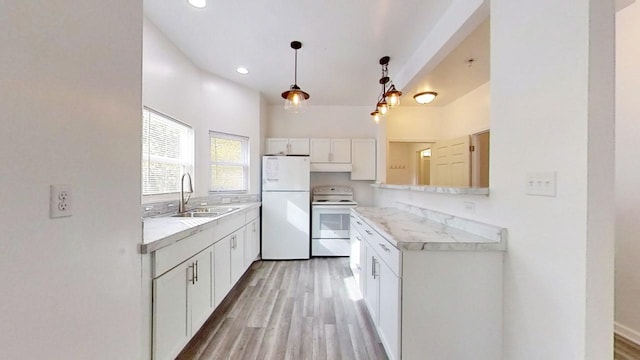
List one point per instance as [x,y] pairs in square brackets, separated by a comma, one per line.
[409,231]
[159,232]
[436,189]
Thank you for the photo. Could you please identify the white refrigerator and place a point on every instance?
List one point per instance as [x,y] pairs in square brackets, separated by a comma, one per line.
[285,207]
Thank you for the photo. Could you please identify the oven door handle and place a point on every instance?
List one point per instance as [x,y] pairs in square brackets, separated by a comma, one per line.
[346,208]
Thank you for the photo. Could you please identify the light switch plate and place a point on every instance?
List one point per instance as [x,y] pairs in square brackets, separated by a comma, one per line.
[541,183]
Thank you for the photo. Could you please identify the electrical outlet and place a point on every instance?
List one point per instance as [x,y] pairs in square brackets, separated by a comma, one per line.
[60,205]
[470,206]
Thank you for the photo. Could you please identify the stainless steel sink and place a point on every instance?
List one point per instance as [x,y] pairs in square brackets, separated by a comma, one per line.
[194,214]
[218,210]
[213,211]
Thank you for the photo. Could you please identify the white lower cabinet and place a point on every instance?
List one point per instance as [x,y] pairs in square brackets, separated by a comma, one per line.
[252,237]
[222,269]
[238,264]
[191,277]
[372,292]
[181,304]
[382,295]
[431,304]
[389,314]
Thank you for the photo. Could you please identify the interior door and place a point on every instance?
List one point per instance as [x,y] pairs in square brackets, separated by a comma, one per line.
[451,162]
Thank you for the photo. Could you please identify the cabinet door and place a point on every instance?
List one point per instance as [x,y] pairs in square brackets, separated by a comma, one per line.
[252,242]
[354,255]
[372,290]
[363,159]
[320,150]
[363,266]
[299,146]
[237,256]
[171,325]
[221,269]
[201,288]
[340,151]
[277,146]
[389,315]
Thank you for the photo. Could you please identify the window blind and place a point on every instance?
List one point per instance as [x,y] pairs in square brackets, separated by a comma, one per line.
[167,153]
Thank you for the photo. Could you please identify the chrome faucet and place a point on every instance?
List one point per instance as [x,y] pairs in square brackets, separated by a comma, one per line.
[183,202]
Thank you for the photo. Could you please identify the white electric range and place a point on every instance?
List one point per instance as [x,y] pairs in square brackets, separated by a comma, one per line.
[330,218]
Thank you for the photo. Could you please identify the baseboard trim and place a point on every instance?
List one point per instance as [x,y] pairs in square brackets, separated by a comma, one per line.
[627,333]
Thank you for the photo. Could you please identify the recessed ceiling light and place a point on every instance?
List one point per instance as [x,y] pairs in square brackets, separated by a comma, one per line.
[242,70]
[198,3]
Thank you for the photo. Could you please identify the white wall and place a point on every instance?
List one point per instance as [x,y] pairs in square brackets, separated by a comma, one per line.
[327,122]
[413,123]
[627,172]
[71,110]
[174,86]
[467,115]
[553,113]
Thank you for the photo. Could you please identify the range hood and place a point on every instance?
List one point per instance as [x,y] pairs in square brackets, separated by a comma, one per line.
[330,167]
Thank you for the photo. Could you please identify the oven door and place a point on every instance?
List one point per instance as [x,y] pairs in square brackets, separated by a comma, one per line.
[330,222]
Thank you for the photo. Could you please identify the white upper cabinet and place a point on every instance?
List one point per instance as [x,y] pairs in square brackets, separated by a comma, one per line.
[363,159]
[284,146]
[330,151]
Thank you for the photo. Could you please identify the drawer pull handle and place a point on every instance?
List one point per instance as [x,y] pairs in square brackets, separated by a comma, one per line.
[384,247]
[195,271]
[358,222]
[358,238]
[369,232]
[193,274]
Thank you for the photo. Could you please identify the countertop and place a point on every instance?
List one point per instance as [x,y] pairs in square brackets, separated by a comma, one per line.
[436,189]
[408,231]
[159,232]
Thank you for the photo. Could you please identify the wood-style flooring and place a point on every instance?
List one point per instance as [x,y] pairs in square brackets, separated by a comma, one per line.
[625,349]
[309,309]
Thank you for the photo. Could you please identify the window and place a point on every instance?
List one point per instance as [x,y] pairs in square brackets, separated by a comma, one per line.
[229,162]
[167,153]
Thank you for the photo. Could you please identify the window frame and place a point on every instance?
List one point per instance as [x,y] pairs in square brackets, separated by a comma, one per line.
[244,142]
[189,166]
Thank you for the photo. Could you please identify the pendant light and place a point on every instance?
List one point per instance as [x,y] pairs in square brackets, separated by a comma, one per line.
[390,96]
[295,98]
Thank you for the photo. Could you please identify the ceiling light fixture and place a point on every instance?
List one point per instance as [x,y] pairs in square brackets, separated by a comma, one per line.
[295,98]
[390,96]
[425,97]
[200,4]
[242,70]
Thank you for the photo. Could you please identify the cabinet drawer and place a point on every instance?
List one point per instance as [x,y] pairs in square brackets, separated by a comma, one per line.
[388,253]
[252,214]
[169,257]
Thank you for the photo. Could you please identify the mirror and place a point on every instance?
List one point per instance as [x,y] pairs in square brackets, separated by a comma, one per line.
[445,143]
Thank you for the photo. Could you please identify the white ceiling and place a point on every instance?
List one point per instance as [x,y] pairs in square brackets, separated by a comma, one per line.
[342,43]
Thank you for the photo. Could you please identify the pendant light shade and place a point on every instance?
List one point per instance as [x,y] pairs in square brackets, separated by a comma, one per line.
[376,116]
[295,99]
[383,107]
[393,96]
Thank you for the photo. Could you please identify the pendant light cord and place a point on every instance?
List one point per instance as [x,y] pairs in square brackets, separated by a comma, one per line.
[295,72]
